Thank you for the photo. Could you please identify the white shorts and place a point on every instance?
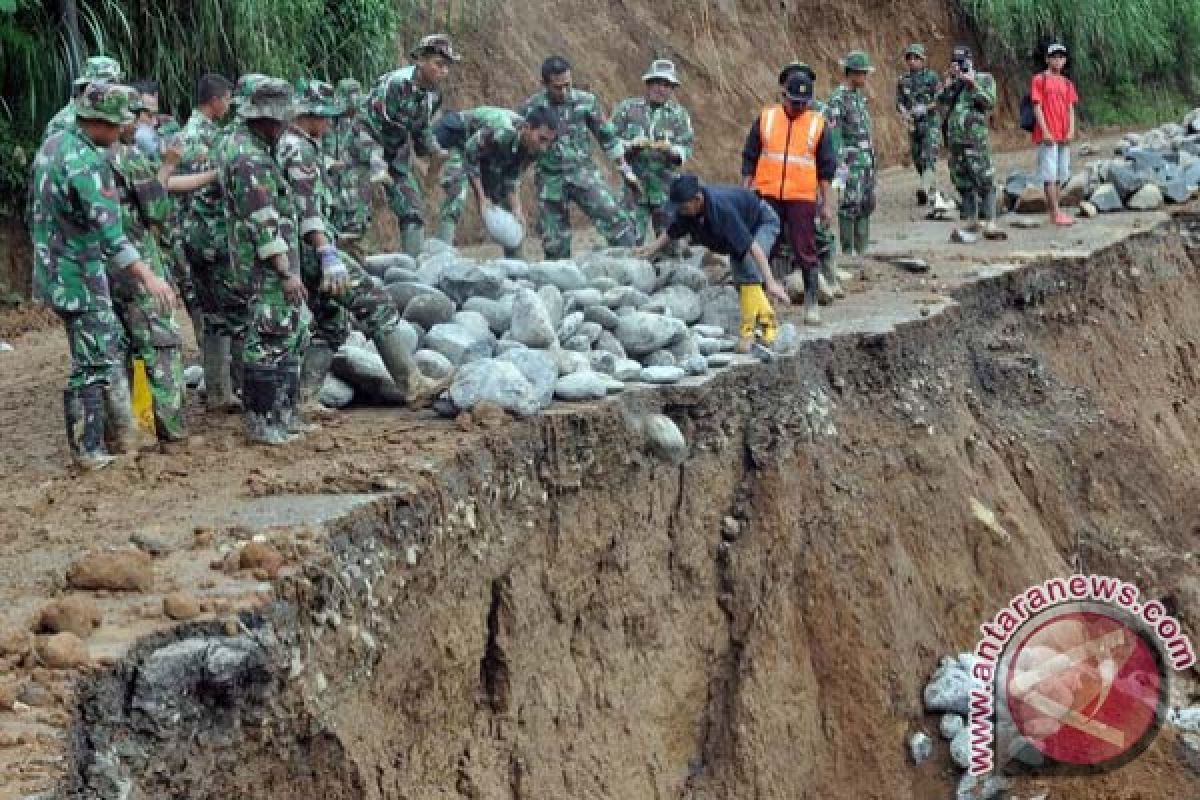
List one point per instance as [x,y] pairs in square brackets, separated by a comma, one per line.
[1054,162]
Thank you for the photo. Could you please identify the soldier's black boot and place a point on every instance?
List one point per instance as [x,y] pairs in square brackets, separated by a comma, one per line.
[218,384]
[261,385]
[287,407]
[317,360]
[83,413]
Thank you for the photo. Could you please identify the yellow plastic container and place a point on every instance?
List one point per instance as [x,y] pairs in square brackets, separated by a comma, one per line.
[143,403]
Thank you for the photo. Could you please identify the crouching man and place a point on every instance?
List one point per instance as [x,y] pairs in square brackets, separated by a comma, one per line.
[738,223]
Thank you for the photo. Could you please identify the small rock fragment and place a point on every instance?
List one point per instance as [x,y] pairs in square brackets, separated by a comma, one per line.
[61,651]
[181,606]
[260,555]
[120,571]
[664,439]
[920,747]
[950,725]
[77,614]
[662,375]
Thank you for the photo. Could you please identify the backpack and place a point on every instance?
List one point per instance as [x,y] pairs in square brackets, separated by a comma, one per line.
[1028,120]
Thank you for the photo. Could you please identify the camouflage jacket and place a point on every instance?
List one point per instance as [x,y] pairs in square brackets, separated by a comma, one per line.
[495,156]
[300,157]
[203,220]
[65,118]
[350,153]
[850,122]
[918,88]
[75,223]
[579,119]
[967,111]
[634,118]
[400,113]
[259,203]
[145,205]
[481,117]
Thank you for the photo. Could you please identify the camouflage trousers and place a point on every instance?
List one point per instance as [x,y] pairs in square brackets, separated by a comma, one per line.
[181,273]
[153,336]
[456,191]
[858,196]
[586,188]
[224,290]
[276,328]
[96,341]
[924,141]
[362,302]
[974,176]
[404,194]
[649,208]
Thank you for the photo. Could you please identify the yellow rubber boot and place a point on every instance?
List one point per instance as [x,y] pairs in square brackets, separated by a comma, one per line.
[141,400]
[766,317]
[748,304]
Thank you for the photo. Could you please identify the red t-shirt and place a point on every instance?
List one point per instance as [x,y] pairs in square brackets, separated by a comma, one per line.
[1055,94]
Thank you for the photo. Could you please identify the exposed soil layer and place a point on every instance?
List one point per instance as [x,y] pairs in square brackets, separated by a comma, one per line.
[543,609]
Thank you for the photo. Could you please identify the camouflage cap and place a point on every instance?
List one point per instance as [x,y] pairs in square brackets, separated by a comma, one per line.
[316,98]
[857,61]
[106,102]
[348,91]
[268,98]
[99,68]
[915,49]
[796,66]
[245,85]
[435,44]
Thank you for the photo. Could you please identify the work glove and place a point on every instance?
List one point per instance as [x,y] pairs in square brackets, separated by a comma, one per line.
[334,275]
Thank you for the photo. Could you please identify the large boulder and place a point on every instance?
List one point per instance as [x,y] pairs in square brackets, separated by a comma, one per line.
[397,275]
[570,325]
[429,308]
[539,368]
[626,271]
[1144,160]
[474,321]
[364,370]
[681,302]
[625,297]
[1032,200]
[403,292]
[1075,192]
[335,392]
[498,313]
[662,375]
[464,279]
[380,263]
[582,385]
[564,275]
[607,343]
[431,267]
[1176,190]
[581,299]
[721,308]
[603,316]
[641,333]
[458,343]
[1148,198]
[433,364]
[570,361]
[1126,180]
[1106,198]
[531,323]
[681,274]
[494,381]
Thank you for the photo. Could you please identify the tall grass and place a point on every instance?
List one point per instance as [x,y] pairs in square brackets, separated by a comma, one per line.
[1119,48]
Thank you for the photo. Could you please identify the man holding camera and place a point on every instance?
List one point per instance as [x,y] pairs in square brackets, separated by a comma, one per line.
[966,101]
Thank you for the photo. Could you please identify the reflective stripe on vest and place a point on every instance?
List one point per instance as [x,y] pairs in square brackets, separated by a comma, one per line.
[787,164]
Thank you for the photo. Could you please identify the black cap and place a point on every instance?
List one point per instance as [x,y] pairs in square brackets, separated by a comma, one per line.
[799,87]
[450,130]
[684,188]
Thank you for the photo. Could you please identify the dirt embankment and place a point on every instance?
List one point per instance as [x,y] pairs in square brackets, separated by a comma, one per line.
[551,612]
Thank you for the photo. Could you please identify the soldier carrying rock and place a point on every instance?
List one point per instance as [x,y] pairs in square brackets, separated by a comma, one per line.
[566,173]
[77,238]
[490,148]
[657,133]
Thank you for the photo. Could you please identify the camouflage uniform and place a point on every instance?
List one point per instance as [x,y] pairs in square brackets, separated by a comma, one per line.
[850,123]
[566,173]
[75,224]
[491,137]
[669,126]
[399,114]
[354,157]
[917,92]
[97,68]
[968,139]
[152,332]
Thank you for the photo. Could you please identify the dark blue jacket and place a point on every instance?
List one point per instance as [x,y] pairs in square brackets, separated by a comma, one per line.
[727,223]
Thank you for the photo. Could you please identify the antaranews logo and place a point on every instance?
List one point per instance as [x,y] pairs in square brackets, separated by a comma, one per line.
[1071,677]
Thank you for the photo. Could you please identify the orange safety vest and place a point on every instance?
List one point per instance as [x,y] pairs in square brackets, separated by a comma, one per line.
[787,164]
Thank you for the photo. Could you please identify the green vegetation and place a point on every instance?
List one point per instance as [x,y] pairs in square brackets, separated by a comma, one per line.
[1135,61]
[44,42]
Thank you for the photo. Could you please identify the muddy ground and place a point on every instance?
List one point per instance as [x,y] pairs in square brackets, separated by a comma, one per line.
[601,642]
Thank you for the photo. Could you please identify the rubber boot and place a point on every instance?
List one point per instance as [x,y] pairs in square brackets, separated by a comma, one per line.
[417,390]
[829,273]
[812,309]
[261,386]
[120,428]
[922,189]
[218,384]
[317,360]
[862,234]
[412,237]
[846,233]
[929,183]
[83,413]
[288,410]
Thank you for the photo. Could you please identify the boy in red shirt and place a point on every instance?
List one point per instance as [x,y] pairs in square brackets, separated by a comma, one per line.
[1054,100]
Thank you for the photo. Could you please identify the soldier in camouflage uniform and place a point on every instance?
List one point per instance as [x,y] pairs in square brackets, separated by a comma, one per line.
[151,331]
[916,100]
[966,101]
[264,242]
[566,173]
[400,111]
[77,239]
[339,290]
[490,148]
[829,284]
[355,162]
[96,68]
[657,133]
[851,124]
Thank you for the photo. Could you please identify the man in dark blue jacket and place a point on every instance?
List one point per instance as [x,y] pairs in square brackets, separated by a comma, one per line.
[738,223]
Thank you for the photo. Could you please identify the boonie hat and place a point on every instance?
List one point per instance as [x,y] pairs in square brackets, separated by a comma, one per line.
[796,66]
[437,44]
[857,61]
[99,68]
[348,91]
[105,102]
[799,87]
[661,70]
[317,99]
[245,86]
[915,49]
[270,98]
[1056,49]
